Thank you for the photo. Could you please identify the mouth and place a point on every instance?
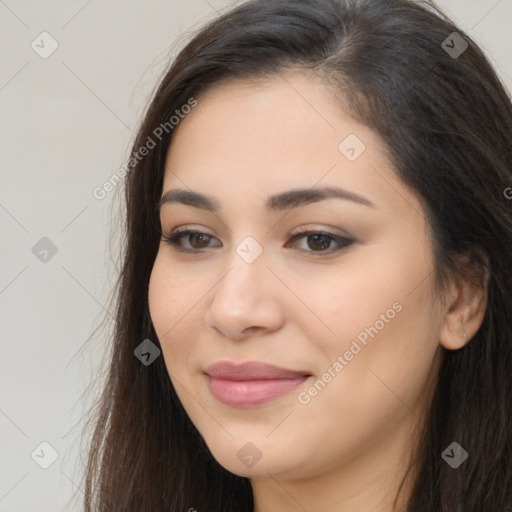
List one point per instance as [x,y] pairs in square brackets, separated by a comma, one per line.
[251,384]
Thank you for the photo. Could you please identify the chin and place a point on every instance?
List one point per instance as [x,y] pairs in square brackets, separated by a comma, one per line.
[255,459]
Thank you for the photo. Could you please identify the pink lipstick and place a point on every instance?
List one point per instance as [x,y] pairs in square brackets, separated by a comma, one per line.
[251,384]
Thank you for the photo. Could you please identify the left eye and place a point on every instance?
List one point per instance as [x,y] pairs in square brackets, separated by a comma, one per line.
[317,241]
[320,240]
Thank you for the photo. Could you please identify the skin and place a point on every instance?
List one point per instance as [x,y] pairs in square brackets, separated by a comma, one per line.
[349,447]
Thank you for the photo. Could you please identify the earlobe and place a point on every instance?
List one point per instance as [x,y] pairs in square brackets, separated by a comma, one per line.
[465,312]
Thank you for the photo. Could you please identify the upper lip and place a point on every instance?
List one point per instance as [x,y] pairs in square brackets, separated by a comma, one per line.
[251,370]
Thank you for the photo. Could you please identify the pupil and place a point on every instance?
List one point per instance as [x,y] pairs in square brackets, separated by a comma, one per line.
[198,235]
[324,245]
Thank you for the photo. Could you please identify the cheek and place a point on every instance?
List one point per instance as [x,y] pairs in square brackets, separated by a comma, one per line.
[173,301]
[384,344]
[352,298]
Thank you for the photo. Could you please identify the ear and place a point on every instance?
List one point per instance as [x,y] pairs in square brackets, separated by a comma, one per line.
[466,305]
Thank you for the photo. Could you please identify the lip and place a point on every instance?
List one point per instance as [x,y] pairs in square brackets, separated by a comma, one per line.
[251,384]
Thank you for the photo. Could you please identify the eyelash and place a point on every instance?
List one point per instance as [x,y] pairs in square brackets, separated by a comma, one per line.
[174,240]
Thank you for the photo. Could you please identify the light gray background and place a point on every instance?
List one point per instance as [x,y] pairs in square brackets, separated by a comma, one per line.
[66,125]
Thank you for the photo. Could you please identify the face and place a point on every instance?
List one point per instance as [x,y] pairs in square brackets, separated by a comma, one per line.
[347,311]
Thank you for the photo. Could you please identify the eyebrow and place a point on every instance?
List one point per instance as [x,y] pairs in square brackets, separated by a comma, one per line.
[277,202]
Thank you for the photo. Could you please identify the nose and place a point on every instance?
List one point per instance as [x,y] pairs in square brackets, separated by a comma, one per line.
[246,301]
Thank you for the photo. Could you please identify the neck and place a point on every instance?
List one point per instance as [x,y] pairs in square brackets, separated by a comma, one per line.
[369,481]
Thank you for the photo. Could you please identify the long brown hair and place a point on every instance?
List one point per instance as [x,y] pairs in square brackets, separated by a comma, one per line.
[446,120]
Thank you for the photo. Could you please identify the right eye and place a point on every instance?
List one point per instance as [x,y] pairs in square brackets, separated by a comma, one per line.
[197,240]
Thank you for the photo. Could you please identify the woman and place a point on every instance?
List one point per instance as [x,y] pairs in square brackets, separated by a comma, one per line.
[313,309]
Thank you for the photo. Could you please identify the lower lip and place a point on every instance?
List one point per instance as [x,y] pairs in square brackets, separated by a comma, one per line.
[250,393]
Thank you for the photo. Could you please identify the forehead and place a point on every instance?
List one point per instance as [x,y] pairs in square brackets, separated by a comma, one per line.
[254,138]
